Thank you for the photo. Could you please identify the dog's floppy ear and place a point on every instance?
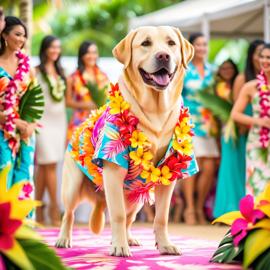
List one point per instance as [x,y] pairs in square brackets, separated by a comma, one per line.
[187,50]
[122,51]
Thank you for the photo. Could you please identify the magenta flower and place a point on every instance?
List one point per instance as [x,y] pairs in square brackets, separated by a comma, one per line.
[26,191]
[250,215]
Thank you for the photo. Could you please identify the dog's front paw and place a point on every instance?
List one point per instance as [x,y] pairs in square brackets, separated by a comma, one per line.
[63,243]
[168,249]
[120,250]
[133,242]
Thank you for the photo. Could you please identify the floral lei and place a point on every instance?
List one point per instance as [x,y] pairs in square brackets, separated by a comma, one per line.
[12,99]
[140,155]
[264,93]
[57,91]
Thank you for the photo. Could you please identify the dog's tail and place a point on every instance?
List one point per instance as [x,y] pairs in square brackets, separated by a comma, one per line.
[97,218]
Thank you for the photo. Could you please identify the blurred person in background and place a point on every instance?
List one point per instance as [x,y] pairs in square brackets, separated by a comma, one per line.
[2,19]
[78,96]
[230,187]
[17,139]
[50,145]
[256,92]
[199,76]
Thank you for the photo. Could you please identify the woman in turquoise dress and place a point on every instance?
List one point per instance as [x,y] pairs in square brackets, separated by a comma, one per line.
[16,135]
[230,188]
[199,76]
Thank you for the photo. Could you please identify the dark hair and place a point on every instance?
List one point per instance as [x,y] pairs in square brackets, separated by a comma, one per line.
[194,36]
[10,23]
[82,51]
[234,67]
[45,45]
[250,72]
[266,46]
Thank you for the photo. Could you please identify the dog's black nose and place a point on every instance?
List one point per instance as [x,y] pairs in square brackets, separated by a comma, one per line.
[162,56]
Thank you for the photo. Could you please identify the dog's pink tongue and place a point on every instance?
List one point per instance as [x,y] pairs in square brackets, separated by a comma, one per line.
[163,79]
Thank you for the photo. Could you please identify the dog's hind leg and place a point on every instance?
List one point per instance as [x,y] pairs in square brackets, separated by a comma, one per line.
[113,178]
[72,179]
[132,211]
[163,195]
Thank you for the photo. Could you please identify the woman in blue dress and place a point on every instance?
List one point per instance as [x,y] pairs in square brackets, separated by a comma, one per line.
[231,167]
[16,135]
[199,76]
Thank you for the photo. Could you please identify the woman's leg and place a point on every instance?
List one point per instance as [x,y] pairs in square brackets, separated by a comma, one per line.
[188,192]
[51,184]
[204,184]
[39,191]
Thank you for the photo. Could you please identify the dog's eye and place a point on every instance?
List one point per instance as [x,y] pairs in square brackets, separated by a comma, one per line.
[146,43]
[171,43]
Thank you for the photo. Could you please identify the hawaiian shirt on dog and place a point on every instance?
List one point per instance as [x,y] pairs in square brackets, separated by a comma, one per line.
[101,138]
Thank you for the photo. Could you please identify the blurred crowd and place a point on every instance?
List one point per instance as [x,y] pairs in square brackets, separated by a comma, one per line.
[231,138]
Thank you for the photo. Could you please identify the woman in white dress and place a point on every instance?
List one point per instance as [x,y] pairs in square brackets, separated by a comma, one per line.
[51,138]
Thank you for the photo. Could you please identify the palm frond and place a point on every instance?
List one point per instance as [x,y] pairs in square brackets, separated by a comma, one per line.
[32,104]
[98,95]
[219,107]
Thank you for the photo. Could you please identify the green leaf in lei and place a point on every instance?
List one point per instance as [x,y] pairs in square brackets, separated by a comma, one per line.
[97,94]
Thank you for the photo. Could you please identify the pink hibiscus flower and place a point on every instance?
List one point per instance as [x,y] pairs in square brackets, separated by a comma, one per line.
[250,215]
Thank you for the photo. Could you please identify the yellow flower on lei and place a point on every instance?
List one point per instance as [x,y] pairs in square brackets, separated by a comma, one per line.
[141,157]
[117,103]
[184,147]
[151,175]
[165,175]
[138,139]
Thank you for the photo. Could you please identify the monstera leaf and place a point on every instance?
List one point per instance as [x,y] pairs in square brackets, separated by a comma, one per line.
[227,252]
[32,104]
[98,94]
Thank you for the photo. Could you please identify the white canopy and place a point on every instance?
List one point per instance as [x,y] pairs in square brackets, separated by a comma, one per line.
[220,18]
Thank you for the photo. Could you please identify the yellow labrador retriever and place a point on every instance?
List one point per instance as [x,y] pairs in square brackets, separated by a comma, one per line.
[154,60]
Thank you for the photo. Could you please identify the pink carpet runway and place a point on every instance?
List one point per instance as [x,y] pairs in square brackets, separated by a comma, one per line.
[91,252]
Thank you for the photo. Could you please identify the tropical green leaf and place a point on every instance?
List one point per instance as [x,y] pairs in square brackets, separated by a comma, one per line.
[32,104]
[262,262]
[219,107]
[98,95]
[40,255]
[256,243]
[227,252]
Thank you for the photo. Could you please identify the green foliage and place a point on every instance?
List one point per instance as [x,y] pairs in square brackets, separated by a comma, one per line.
[219,107]
[227,252]
[98,95]
[40,255]
[105,22]
[32,104]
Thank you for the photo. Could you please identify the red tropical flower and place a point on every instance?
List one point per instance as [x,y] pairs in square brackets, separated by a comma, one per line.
[8,227]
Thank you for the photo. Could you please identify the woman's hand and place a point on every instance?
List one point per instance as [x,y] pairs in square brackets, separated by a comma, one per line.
[262,122]
[2,118]
[30,129]
[21,125]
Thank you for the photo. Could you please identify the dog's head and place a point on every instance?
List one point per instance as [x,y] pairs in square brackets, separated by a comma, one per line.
[154,55]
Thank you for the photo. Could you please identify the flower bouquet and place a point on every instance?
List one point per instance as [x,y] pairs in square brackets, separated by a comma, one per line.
[20,246]
[248,240]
